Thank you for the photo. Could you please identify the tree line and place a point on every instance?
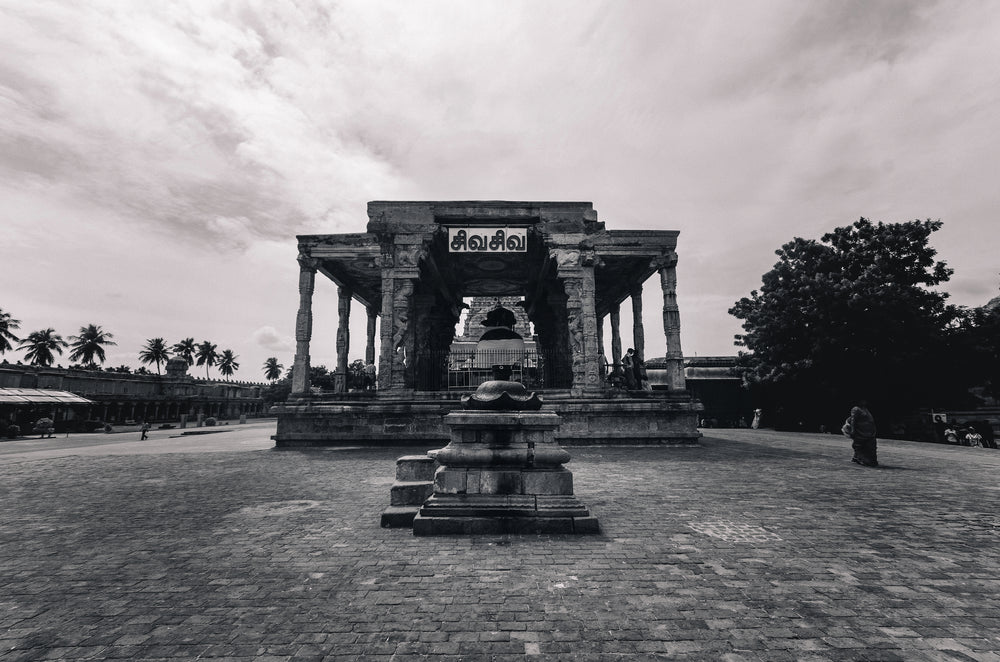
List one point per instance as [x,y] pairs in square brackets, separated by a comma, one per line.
[858,315]
[88,349]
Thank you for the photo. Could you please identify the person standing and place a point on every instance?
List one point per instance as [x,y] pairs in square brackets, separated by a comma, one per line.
[860,427]
[628,367]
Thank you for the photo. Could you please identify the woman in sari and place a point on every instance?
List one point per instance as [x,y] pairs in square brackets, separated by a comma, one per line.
[860,427]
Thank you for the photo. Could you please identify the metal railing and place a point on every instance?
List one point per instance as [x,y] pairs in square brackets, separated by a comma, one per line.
[465,371]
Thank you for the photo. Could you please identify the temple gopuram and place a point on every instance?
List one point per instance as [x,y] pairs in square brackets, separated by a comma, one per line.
[535,281]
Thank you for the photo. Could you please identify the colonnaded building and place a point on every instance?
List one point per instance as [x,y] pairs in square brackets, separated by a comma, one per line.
[549,273]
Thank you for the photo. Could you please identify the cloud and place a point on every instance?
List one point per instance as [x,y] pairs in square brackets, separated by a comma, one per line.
[269,338]
[186,143]
[181,115]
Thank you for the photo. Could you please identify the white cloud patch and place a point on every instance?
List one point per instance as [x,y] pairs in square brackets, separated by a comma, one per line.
[269,338]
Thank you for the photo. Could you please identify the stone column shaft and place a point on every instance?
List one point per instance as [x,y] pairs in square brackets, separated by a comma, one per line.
[344,296]
[638,333]
[303,326]
[582,322]
[672,323]
[616,336]
[386,354]
[370,336]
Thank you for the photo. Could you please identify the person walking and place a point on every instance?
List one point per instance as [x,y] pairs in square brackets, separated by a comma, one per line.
[145,431]
[860,427]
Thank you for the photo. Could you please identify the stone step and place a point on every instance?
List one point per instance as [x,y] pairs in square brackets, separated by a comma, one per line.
[415,467]
[410,492]
[397,517]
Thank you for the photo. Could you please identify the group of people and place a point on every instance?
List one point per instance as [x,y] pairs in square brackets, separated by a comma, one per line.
[631,374]
[974,434]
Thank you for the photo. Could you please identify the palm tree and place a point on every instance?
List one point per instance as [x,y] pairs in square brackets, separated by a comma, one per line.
[40,345]
[207,356]
[186,349]
[272,369]
[156,352]
[7,324]
[90,343]
[227,363]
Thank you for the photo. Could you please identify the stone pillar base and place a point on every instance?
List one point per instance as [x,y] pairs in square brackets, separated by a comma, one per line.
[445,514]
[502,473]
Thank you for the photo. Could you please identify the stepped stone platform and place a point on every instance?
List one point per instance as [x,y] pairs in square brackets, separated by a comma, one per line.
[413,485]
[629,418]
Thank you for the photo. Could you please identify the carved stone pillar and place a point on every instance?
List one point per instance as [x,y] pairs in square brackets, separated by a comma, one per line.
[343,337]
[401,343]
[616,337]
[591,342]
[303,325]
[575,326]
[667,267]
[638,333]
[422,375]
[576,270]
[370,336]
[558,369]
[602,360]
[385,361]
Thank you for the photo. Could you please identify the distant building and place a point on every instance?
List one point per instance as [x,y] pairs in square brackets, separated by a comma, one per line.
[714,380]
[119,398]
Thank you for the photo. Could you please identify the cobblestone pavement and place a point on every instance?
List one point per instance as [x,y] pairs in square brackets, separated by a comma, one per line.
[755,545]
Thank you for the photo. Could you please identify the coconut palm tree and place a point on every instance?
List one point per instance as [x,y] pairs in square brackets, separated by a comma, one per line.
[206,355]
[186,350]
[7,325]
[40,345]
[227,363]
[272,369]
[90,343]
[156,352]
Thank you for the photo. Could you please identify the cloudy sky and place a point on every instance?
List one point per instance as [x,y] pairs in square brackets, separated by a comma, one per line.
[157,159]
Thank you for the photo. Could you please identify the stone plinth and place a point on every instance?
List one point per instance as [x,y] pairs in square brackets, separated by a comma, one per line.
[502,472]
[647,418]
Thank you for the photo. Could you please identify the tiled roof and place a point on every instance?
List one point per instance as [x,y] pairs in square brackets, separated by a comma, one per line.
[32,396]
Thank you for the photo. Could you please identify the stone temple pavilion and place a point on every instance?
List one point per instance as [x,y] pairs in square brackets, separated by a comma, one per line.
[548,269]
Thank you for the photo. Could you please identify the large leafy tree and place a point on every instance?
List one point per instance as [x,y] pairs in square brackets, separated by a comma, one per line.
[155,351]
[206,355]
[7,326]
[974,345]
[272,369]
[90,343]
[227,363]
[40,345]
[850,316]
[186,349]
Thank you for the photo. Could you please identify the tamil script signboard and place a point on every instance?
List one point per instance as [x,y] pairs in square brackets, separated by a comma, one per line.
[487,240]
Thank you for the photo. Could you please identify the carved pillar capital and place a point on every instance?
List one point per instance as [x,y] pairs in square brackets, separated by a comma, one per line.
[307,263]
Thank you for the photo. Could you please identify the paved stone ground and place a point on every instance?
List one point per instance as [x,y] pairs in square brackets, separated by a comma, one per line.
[754,546]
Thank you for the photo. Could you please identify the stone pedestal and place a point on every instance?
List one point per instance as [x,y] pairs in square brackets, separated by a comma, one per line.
[502,472]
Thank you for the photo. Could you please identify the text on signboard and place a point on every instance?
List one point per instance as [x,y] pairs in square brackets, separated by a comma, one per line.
[487,240]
